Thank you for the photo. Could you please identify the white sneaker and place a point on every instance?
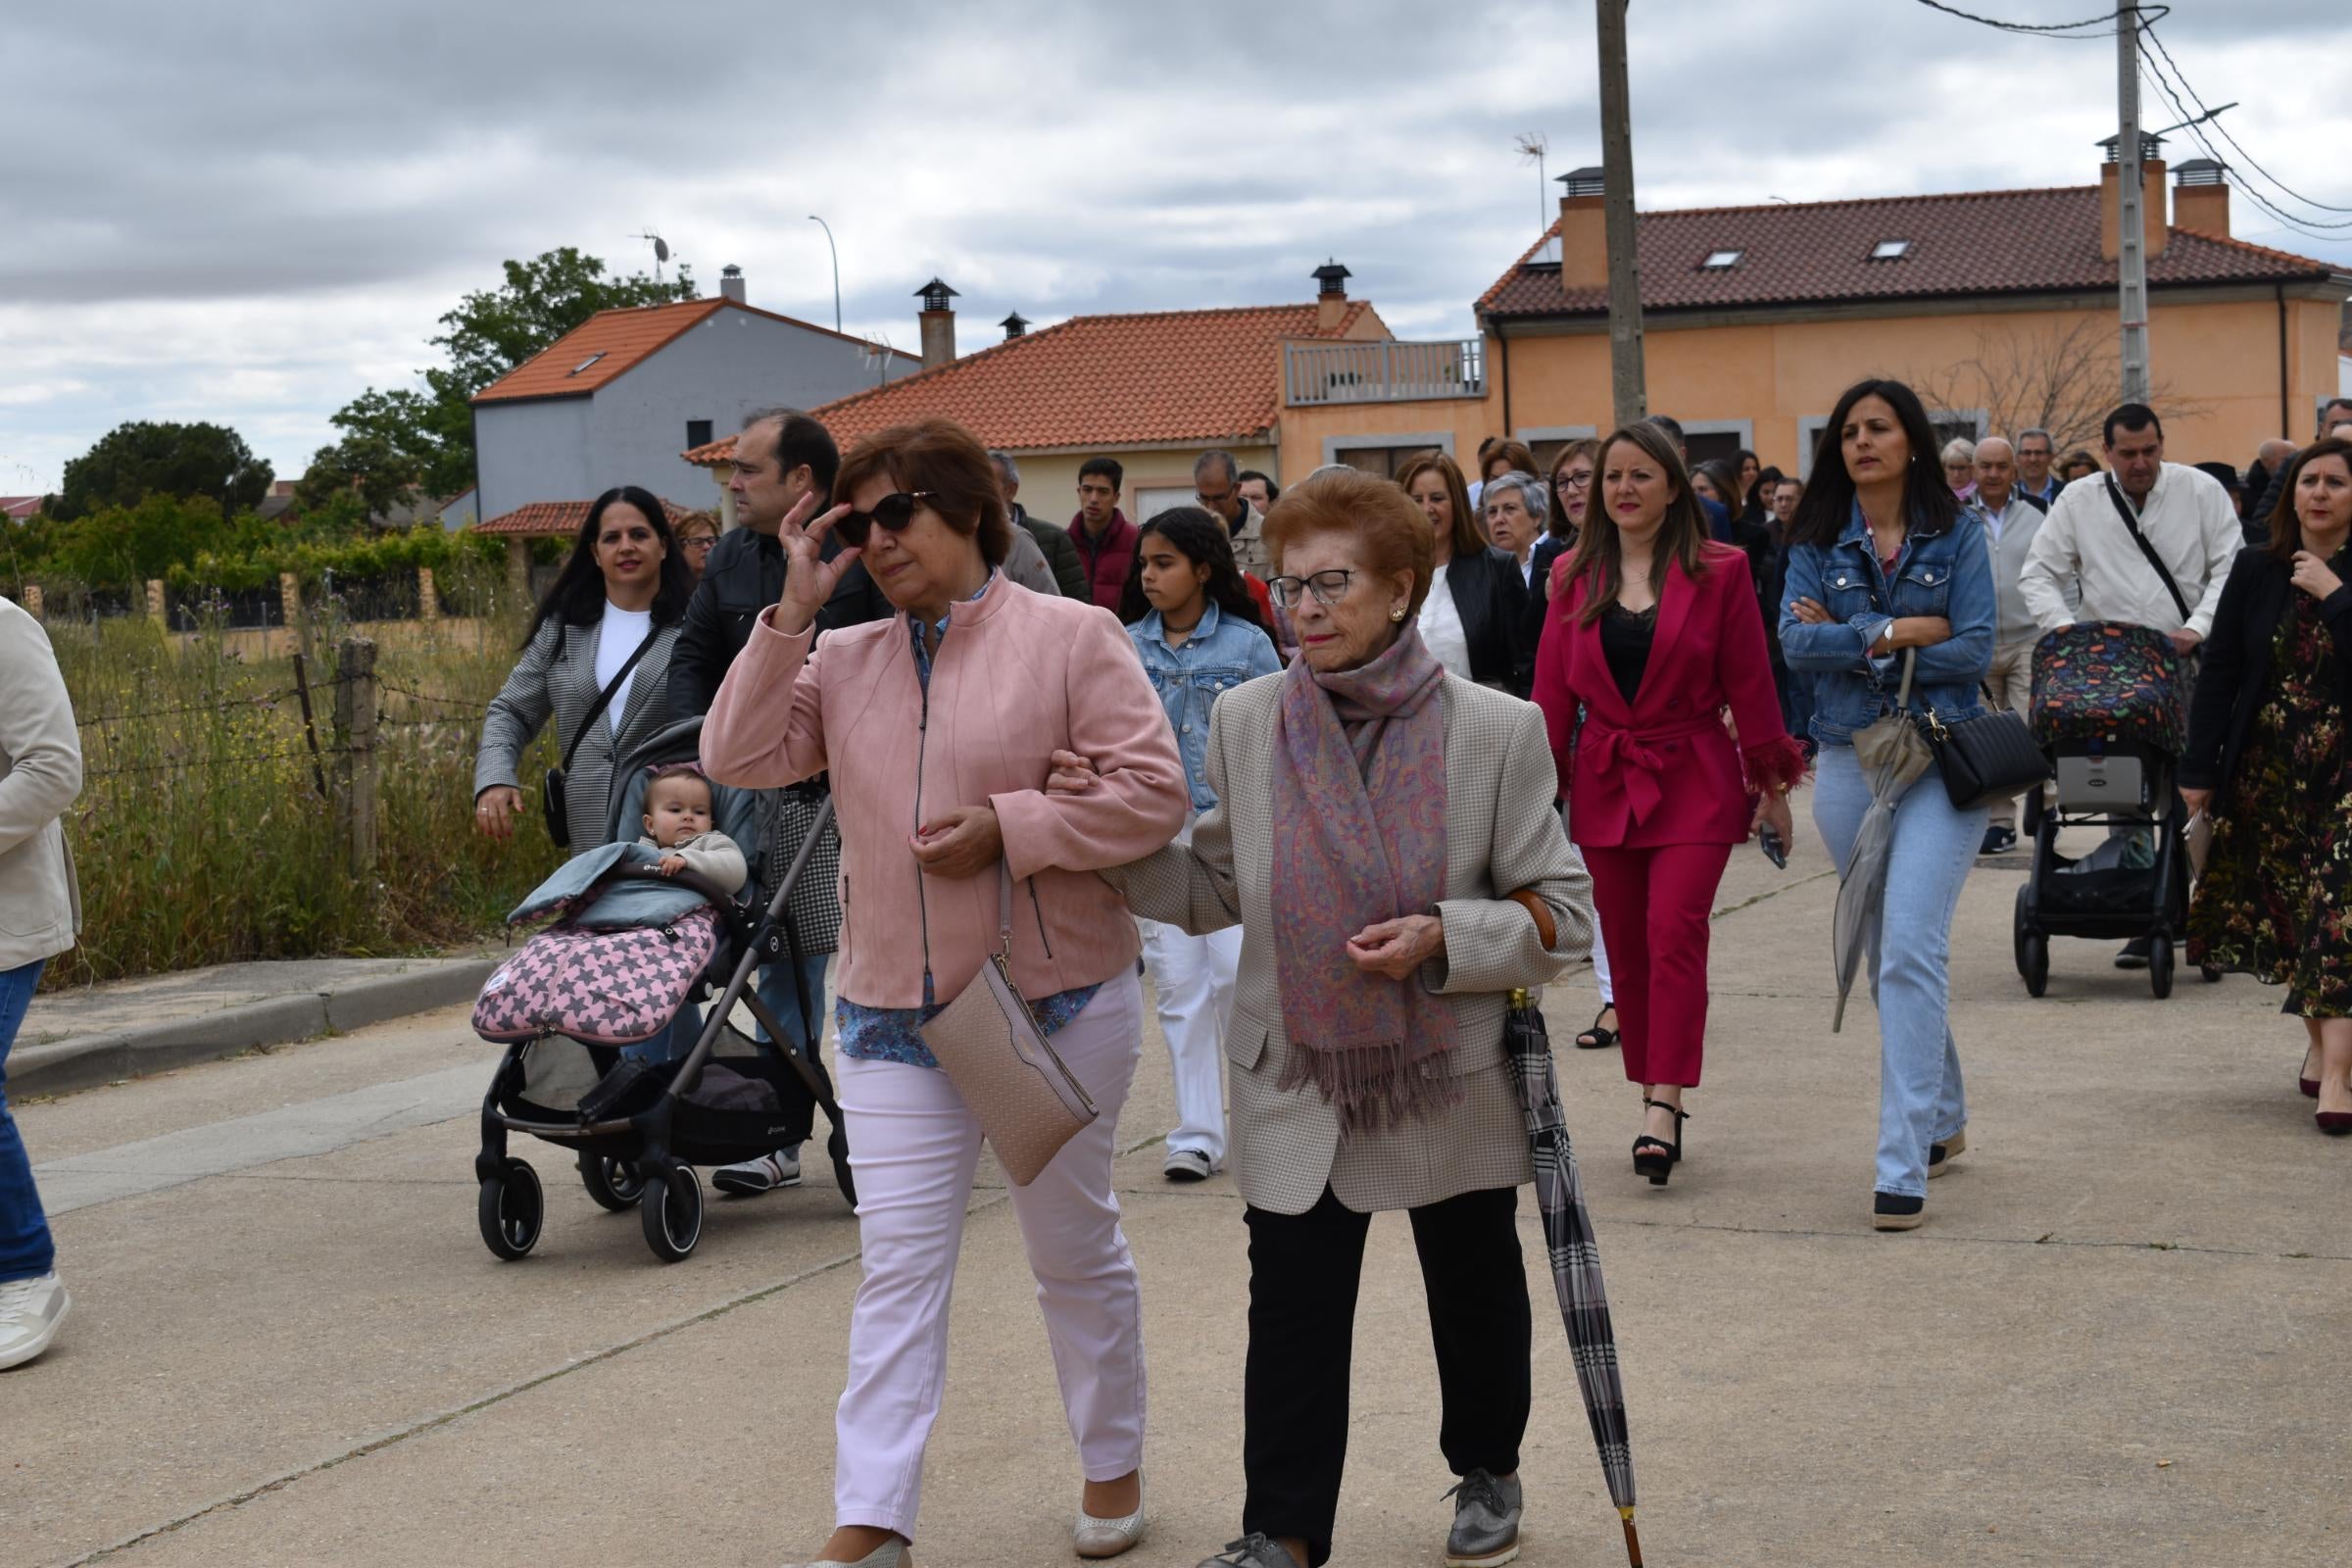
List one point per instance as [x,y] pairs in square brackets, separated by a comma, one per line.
[1186,1165]
[763,1175]
[30,1311]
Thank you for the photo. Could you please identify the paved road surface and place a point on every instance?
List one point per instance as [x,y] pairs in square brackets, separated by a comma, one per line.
[2120,1339]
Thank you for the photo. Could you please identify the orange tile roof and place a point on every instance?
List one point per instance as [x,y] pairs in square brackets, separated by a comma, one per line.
[619,341]
[543,519]
[1100,381]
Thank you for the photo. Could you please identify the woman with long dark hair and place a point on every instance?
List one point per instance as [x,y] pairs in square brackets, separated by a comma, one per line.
[2267,757]
[1884,566]
[1652,634]
[610,620]
[1196,628]
[1474,618]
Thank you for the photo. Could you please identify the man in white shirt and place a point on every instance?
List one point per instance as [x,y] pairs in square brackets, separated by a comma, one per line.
[2011,522]
[2188,524]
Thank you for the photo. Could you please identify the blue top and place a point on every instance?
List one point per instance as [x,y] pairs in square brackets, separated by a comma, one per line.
[894,1034]
[1948,575]
[1190,676]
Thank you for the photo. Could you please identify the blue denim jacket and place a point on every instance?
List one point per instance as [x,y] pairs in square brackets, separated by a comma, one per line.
[1219,655]
[1947,575]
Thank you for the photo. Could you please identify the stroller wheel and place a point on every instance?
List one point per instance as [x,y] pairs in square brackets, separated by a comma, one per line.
[511,1210]
[2037,964]
[673,1211]
[2160,965]
[614,1183]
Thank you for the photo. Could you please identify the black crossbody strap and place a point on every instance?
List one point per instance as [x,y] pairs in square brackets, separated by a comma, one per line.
[603,698]
[2123,510]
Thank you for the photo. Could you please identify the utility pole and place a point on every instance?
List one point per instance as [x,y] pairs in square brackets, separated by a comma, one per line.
[1626,378]
[2132,232]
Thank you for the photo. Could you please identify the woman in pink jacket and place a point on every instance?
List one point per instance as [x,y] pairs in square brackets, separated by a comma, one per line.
[937,727]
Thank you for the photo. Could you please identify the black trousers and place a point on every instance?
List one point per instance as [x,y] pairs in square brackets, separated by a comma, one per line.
[1303,1273]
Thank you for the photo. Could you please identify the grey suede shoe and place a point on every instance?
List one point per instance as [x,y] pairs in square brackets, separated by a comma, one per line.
[1253,1550]
[1486,1522]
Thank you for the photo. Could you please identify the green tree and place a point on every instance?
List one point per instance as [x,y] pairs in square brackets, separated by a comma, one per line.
[144,458]
[128,545]
[428,432]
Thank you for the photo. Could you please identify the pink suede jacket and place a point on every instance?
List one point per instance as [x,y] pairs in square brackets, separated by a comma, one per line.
[1017,675]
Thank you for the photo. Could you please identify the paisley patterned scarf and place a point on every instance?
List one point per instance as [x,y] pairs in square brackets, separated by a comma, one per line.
[1359,836]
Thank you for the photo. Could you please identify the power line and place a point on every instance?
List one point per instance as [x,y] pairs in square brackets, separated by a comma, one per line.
[2182,75]
[2309,228]
[2061,31]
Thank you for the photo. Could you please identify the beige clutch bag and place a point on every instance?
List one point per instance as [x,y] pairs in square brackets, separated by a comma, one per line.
[988,1043]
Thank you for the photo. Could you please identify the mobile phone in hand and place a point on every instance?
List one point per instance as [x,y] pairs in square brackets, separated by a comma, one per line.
[1773,850]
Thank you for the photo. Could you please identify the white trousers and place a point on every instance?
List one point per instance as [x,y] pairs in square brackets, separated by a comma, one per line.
[913,1148]
[1192,978]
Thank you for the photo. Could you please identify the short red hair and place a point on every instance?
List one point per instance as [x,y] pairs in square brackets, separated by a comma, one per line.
[1395,535]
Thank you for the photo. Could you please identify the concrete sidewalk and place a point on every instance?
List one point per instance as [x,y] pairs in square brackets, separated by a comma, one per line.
[77,1039]
[2118,1340]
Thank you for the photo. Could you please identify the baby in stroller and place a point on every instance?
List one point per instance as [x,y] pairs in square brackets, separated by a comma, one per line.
[677,822]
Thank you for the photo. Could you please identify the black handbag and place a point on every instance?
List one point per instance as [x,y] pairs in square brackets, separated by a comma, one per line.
[1983,760]
[550,787]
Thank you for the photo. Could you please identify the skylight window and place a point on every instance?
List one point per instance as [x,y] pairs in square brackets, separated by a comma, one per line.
[584,364]
[1890,250]
[1717,261]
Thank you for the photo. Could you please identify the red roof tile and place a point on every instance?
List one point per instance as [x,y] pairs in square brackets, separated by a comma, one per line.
[555,519]
[1978,242]
[19,506]
[1100,381]
[611,342]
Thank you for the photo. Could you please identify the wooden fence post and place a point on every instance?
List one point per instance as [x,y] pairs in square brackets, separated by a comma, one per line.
[429,600]
[289,602]
[356,758]
[32,600]
[154,602]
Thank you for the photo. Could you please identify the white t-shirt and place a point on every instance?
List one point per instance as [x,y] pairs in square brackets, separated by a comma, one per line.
[616,638]
[1440,626]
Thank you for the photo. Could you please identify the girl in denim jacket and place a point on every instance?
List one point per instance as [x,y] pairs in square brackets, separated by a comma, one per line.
[1883,562]
[1197,631]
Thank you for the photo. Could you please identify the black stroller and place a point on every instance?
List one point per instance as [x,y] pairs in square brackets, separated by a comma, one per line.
[2109,708]
[594,981]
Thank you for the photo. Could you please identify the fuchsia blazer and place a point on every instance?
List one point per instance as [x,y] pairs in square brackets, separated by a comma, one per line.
[1664,769]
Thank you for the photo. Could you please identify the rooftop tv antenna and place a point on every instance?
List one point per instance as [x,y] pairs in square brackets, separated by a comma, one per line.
[661,249]
[1533,147]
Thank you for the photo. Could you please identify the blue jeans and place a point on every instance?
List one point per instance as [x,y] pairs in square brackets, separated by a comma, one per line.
[25,1249]
[777,991]
[1796,706]
[1920,1100]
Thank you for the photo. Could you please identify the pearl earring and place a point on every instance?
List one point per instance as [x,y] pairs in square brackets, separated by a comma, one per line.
[1396,615]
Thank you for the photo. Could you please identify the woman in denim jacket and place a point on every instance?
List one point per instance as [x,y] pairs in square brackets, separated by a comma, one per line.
[1196,631]
[1883,562]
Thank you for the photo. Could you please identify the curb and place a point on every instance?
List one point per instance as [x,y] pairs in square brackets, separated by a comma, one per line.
[85,1061]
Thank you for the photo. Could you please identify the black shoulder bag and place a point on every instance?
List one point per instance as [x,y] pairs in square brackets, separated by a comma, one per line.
[551,788]
[1985,759]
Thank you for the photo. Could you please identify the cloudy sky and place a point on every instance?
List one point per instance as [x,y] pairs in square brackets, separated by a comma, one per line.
[246,211]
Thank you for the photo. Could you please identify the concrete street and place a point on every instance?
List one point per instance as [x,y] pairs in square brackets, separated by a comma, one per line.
[2119,1339]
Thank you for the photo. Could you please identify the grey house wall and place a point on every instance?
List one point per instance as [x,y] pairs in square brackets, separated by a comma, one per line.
[631,430]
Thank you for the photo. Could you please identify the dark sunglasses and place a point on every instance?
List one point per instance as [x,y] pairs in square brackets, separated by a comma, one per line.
[892,514]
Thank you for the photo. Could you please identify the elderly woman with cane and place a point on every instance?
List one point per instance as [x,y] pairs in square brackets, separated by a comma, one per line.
[1385,838]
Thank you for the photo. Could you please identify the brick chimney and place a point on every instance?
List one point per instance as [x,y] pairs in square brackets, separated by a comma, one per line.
[2151,199]
[1331,296]
[730,283]
[937,322]
[2201,197]
[1584,232]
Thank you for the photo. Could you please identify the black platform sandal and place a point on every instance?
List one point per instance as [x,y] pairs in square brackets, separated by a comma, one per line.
[1654,1157]
[1598,1039]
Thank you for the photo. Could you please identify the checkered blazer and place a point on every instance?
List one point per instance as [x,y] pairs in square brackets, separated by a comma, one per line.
[1501,834]
[555,677]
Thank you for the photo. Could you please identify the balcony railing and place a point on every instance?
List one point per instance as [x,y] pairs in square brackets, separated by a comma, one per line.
[1383,372]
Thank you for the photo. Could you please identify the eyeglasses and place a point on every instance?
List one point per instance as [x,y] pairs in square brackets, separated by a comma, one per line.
[700,541]
[1328,587]
[1576,479]
[892,514]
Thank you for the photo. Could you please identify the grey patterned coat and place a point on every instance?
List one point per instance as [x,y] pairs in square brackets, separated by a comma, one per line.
[556,676]
[1501,834]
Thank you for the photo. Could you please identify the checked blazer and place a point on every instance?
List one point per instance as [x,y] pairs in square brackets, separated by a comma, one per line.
[1501,834]
[556,676]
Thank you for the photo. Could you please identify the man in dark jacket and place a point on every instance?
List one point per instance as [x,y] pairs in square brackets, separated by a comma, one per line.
[781,456]
[1101,533]
[1061,553]
[2335,412]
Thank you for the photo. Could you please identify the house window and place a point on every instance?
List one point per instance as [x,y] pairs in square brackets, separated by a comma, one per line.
[1890,250]
[584,364]
[1717,260]
[698,433]
[1383,461]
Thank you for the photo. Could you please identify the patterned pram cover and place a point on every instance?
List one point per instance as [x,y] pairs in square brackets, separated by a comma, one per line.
[608,988]
[2110,683]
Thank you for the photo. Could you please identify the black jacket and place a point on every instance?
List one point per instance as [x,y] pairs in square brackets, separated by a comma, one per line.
[2236,678]
[743,576]
[1061,553]
[1494,604]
